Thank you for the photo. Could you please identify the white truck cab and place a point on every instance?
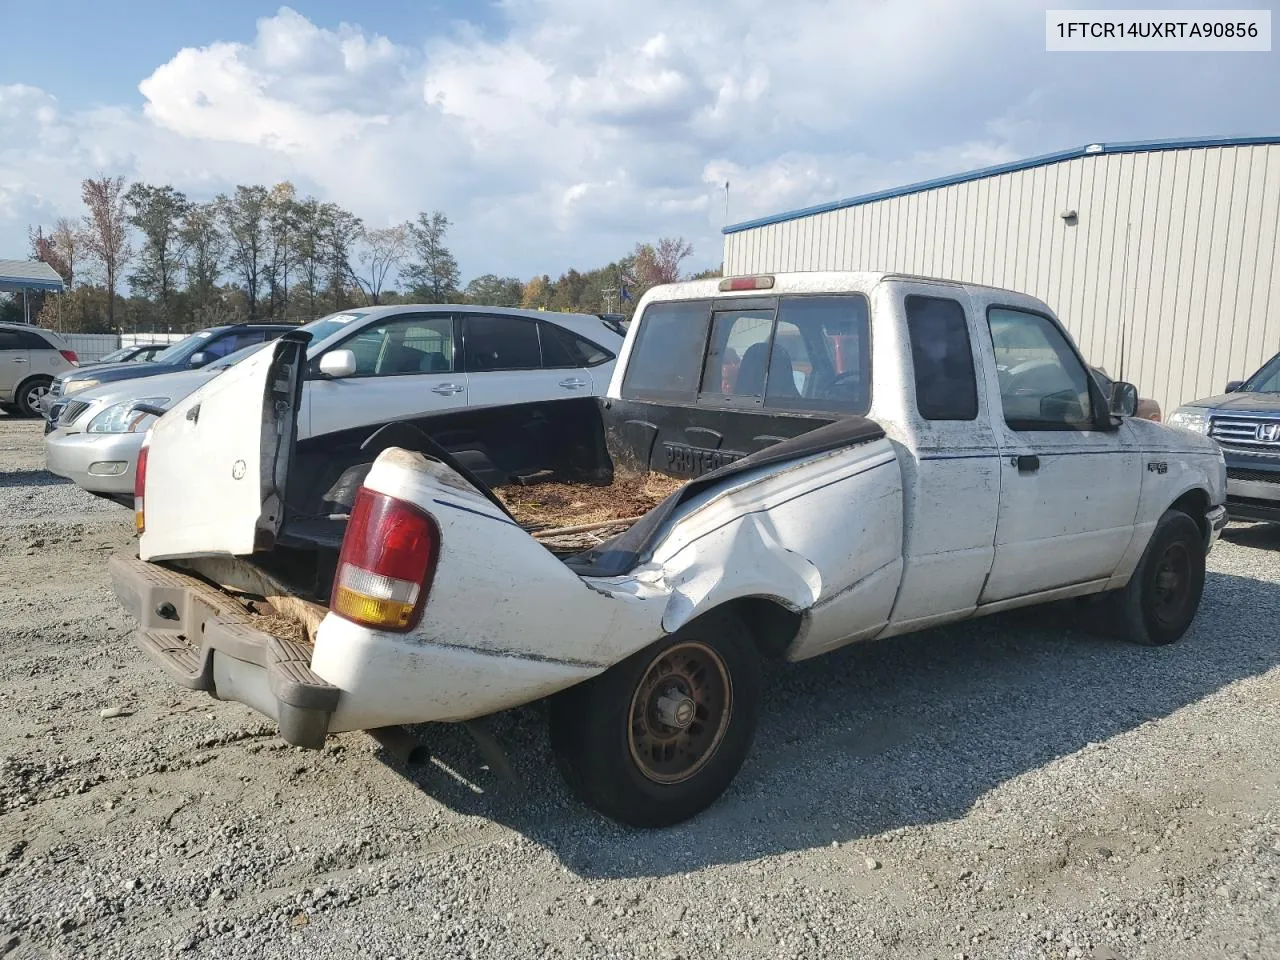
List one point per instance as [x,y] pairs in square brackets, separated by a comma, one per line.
[866,455]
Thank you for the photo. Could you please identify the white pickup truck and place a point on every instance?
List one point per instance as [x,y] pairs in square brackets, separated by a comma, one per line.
[869,454]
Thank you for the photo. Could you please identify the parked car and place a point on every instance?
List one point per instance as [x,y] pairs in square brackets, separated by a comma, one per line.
[899,484]
[1245,421]
[96,440]
[190,353]
[367,366]
[1148,409]
[30,359]
[136,353]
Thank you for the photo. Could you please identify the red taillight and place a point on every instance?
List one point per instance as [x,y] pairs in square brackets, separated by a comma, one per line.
[70,356]
[388,559]
[746,283]
[139,485]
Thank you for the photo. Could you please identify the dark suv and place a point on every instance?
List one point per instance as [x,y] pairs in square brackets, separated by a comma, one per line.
[190,353]
[1246,423]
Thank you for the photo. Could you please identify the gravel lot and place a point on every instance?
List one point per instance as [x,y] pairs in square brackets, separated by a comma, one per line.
[1011,788]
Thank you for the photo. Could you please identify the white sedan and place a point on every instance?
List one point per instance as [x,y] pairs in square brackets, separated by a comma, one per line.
[366,366]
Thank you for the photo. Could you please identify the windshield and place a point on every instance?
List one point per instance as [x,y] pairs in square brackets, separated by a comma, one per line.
[325,327]
[1266,380]
[121,354]
[183,348]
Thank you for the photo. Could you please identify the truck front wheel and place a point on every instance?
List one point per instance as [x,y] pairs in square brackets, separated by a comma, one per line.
[1163,595]
[658,737]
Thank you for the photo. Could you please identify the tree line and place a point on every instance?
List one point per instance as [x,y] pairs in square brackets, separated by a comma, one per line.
[267,254]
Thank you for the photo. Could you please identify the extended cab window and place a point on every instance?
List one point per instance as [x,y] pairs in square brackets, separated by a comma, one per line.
[946,388]
[667,356]
[1043,384]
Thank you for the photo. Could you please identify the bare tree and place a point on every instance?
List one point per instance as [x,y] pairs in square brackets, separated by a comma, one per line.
[383,250]
[68,240]
[106,232]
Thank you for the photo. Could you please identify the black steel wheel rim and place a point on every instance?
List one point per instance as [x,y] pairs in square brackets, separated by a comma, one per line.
[1171,584]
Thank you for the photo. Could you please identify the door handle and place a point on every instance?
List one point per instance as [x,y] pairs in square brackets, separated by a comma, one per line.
[573,383]
[19,359]
[448,389]
[1026,464]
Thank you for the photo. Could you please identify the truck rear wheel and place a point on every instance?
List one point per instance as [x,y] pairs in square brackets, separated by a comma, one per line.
[658,737]
[1163,595]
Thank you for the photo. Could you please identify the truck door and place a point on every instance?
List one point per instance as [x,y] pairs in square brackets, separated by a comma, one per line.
[1068,490]
[952,477]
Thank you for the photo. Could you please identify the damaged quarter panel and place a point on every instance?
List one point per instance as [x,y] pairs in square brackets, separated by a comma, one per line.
[822,537]
[505,621]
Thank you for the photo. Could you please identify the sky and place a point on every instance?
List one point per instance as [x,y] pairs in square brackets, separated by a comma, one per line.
[559,133]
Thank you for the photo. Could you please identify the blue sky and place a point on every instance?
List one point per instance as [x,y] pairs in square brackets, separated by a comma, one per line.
[558,133]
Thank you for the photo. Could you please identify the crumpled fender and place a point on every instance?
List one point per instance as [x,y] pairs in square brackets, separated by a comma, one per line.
[745,559]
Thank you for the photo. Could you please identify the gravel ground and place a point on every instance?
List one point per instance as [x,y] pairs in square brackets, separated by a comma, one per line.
[1010,788]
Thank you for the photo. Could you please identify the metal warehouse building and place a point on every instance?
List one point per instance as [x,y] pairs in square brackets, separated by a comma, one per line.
[1161,258]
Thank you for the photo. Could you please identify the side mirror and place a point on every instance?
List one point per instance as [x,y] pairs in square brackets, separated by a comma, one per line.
[1234,385]
[1124,399]
[338,363]
[198,359]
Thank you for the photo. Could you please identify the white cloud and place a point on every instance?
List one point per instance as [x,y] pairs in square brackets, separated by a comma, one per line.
[583,126]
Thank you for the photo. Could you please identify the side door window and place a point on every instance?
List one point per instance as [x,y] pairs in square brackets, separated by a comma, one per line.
[562,349]
[403,345]
[495,343]
[942,358]
[1043,384]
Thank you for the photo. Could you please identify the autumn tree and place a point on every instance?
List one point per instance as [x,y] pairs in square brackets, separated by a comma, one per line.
[205,248]
[68,241]
[244,219]
[158,213]
[106,232]
[382,250]
[660,263]
[537,293]
[434,273]
[494,291]
[342,229]
[282,223]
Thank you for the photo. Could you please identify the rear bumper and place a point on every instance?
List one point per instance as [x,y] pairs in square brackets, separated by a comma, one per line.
[205,641]
[82,458]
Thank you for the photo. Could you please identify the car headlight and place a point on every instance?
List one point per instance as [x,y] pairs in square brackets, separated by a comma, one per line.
[1195,419]
[122,418]
[75,386]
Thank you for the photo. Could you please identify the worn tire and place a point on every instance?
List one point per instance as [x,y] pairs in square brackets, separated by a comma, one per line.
[604,737]
[28,392]
[1163,596]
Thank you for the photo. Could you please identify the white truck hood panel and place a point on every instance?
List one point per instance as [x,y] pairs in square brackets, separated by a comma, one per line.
[214,484]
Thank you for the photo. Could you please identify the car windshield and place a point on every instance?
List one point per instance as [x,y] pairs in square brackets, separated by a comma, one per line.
[183,348]
[121,354]
[325,327]
[1266,380]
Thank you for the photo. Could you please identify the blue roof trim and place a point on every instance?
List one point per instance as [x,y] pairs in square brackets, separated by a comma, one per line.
[1093,149]
[17,284]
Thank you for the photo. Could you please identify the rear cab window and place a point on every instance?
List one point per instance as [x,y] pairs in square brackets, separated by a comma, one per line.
[942,355]
[798,353]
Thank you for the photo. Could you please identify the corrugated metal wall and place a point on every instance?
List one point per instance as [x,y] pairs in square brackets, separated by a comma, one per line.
[1169,278]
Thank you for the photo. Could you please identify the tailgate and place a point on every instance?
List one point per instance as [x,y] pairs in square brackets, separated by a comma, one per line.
[217,462]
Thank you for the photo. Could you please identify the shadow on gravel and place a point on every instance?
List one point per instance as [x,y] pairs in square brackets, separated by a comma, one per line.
[906,731]
[31,478]
[1264,536]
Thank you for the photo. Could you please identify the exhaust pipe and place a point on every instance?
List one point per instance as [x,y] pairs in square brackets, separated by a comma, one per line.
[401,745]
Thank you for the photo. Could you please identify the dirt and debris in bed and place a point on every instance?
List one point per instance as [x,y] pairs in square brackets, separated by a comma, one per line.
[548,505]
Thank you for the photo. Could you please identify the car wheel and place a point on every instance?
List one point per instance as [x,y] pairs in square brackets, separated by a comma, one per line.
[29,394]
[1163,595]
[659,737]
